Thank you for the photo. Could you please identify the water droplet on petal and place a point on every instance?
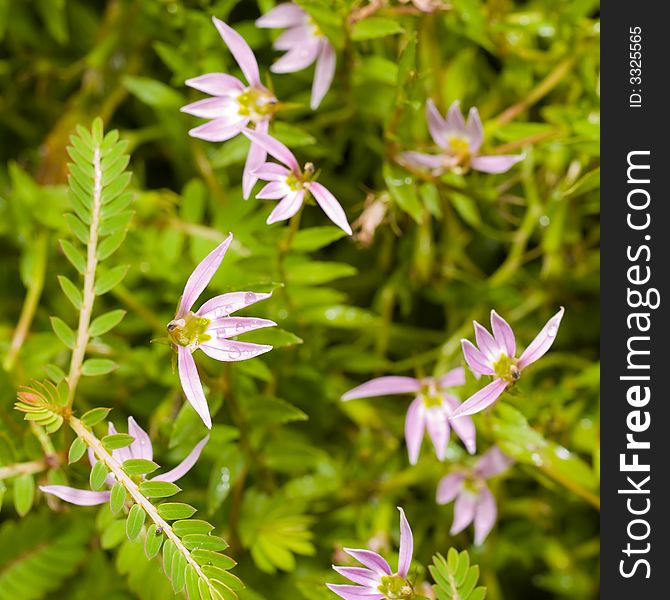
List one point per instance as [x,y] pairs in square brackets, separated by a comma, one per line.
[551,332]
[249,297]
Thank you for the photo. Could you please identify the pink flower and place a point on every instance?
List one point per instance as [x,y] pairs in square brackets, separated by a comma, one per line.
[474,500]
[291,185]
[233,105]
[430,411]
[304,43]
[460,143]
[496,356]
[141,447]
[211,327]
[376,581]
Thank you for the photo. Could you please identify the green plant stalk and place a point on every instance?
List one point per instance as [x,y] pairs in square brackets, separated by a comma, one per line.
[35,288]
[133,489]
[88,295]
[25,468]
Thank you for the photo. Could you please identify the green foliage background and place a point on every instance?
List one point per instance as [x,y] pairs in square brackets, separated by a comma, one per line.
[291,474]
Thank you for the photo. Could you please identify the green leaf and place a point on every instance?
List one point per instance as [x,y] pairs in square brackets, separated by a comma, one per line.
[153,92]
[194,541]
[64,332]
[191,526]
[116,223]
[402,188]
[115,441]
[158,489]
[374,27]
[110,279]
[139,466]
[111,244]
[104,323]
[277,338]
[153,541]
[74,256]
[171,511]
[71,291]
[75,225]
[314,238]
[135,521]
[77,450]
[95,416]
[207,557]
[316,273]
[24,494]
[178,572]
[117,498]
[98,366]
[98,475]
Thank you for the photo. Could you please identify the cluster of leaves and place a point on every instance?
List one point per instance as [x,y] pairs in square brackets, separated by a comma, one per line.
[291,475]
[455,578]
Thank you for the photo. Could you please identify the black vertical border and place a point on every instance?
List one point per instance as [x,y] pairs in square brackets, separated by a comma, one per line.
[625,129]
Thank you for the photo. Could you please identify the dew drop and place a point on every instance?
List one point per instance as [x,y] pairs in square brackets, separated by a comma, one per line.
[536,458]
[551,332]
[249,297]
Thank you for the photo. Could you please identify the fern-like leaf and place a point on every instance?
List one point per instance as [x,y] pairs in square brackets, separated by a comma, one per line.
[455,578]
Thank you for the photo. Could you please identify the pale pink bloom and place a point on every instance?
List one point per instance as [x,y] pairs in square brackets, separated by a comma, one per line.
[291,185]
[211,328]
[496,357]
[474,500]
[304,43]
[233,105]
[430,410]
[459,142]
[141,447]
[375,580]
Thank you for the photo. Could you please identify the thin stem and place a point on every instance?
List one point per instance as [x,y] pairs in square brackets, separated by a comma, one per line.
[25,468]
[133,489]
[35,288]
[89,283]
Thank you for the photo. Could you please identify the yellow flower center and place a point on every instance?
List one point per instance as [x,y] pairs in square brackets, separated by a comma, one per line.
[505,368]
[257,104]
[395,587]
[188,331]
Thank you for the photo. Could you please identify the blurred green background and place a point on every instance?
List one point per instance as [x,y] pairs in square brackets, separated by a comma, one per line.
[292,474]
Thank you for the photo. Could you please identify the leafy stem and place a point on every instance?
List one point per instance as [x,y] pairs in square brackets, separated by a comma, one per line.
[88,297]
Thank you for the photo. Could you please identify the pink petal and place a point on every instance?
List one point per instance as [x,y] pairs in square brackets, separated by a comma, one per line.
[287,207]
[202,275]
[274,148]
[231,351]
[227,327]
[295,36]
[226,304]
[241,51]
[190,382]
[475,130]
[487,343]
[481,399]
[330,206]
[284,15]
[323,74]
[75,496]
[496,164]
[354,592]
[274,191]
[452,378]
[475,359]
[437,425]
[384,386]
[436,124]
[463,426]
[423,160]
[485,515]
[219,107]
[455,124]
[185,465]
[406,545]
[120,454]
[141,447]
[272,172]
[359,575]
[449,487]
[216,84]
[371,560]
[503,333]
[414,427]
[464,512]
[542,342]
[492,463]
[218,130]
[297,58]
[255,159]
